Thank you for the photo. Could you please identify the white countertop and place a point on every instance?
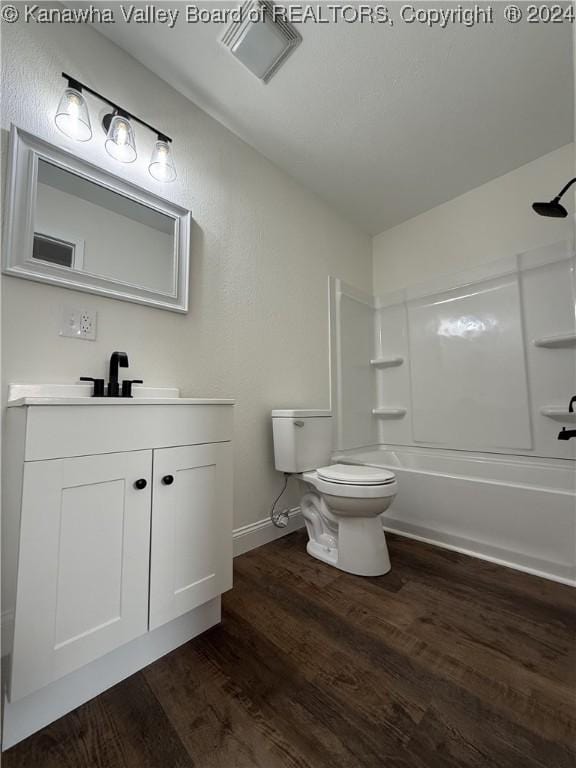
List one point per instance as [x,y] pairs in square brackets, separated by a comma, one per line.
[80,394]
[118,401]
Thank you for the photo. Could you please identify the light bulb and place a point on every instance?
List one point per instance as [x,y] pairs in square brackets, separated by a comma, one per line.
[120,143]
[72,116]
[162,166]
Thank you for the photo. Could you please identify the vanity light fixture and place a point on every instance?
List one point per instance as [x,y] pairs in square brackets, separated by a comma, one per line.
[72,116]
[161,163]
[73,119]
[120,143]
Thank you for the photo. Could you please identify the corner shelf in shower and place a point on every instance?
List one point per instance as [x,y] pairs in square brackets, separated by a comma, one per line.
[558,413]
[389,413]
[386,362]
[552,342]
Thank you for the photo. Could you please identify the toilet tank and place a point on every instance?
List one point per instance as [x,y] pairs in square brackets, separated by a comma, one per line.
[302,439]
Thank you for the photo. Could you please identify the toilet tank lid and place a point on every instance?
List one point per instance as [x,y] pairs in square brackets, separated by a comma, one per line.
[300,414]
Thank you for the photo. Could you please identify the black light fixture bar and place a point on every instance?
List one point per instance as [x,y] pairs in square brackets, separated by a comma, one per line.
[73,83]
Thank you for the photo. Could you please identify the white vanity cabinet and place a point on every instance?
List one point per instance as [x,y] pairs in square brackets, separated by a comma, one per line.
[191,513]
[122,522]
[83,563]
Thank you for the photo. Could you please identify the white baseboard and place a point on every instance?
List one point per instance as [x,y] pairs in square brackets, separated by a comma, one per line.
[479,550]
[261,532]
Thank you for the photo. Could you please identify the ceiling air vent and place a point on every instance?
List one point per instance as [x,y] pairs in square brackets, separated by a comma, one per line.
[261,38]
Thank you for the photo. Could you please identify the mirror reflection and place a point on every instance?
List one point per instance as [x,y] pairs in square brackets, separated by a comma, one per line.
[82,226]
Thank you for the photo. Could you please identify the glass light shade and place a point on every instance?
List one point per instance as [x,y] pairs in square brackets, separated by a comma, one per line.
[162,166]
[72,116]
[120,143]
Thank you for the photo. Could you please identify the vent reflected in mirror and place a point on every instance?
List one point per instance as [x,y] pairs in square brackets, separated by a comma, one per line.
[83,226]
[53,251]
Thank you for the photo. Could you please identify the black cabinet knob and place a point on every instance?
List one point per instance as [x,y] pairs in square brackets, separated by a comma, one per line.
[168,479]
[140,484]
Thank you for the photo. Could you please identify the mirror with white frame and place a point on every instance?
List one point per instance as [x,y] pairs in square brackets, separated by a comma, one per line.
[74,225]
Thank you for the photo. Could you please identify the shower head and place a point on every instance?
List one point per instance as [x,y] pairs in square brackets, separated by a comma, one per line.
[554,209]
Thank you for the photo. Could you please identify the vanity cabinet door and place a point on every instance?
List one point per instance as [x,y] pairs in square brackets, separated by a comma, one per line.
[83,563]
[191,548]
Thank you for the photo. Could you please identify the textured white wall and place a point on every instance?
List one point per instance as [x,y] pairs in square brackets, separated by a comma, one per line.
[262,251]
[487,223]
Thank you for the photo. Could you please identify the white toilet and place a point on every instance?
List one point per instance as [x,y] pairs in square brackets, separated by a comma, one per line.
[342,513]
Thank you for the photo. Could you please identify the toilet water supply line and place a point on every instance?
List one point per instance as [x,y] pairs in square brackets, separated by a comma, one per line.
[281,518]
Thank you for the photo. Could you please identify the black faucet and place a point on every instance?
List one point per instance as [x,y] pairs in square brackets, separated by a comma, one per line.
[117,360]
[567,434]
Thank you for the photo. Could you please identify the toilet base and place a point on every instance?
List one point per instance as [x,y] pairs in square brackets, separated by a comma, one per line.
[362,547]
[358,546]
[325,554]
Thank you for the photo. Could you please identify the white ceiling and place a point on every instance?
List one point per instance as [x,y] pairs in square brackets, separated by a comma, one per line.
[382,123]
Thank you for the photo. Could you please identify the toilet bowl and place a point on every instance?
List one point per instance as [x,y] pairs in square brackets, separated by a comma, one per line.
[342,516]
[341,503]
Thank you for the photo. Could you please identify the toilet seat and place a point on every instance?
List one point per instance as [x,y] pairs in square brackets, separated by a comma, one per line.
[354,482]
[352,474]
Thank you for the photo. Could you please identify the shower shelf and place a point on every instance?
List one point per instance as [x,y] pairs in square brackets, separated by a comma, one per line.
[386,362]
[561,340]
[558,413]
[389,413]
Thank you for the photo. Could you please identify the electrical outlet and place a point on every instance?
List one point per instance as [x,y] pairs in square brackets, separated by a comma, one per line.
[78,323]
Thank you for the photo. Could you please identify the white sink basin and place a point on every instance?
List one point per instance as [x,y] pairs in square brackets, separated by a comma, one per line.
[81,394]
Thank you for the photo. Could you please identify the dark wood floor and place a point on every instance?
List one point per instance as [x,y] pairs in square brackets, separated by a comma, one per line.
[447,661]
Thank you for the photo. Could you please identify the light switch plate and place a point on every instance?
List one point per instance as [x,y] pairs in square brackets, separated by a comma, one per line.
[79,323]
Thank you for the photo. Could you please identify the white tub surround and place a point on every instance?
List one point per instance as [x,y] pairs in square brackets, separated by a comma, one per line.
[482,360]
[488,369]
[557,341]
[118,526]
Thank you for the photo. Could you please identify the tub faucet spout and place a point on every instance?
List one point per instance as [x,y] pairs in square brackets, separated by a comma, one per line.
[566,434]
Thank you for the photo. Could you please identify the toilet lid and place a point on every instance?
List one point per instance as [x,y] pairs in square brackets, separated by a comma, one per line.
[352,474]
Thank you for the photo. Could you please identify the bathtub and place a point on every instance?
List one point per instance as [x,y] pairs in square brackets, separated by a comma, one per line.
[516,511]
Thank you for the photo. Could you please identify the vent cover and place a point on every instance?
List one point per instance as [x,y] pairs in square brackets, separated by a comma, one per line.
[261,38]
[53,250]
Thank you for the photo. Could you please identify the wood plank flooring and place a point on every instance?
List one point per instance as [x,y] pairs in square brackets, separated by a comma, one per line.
[446,662]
